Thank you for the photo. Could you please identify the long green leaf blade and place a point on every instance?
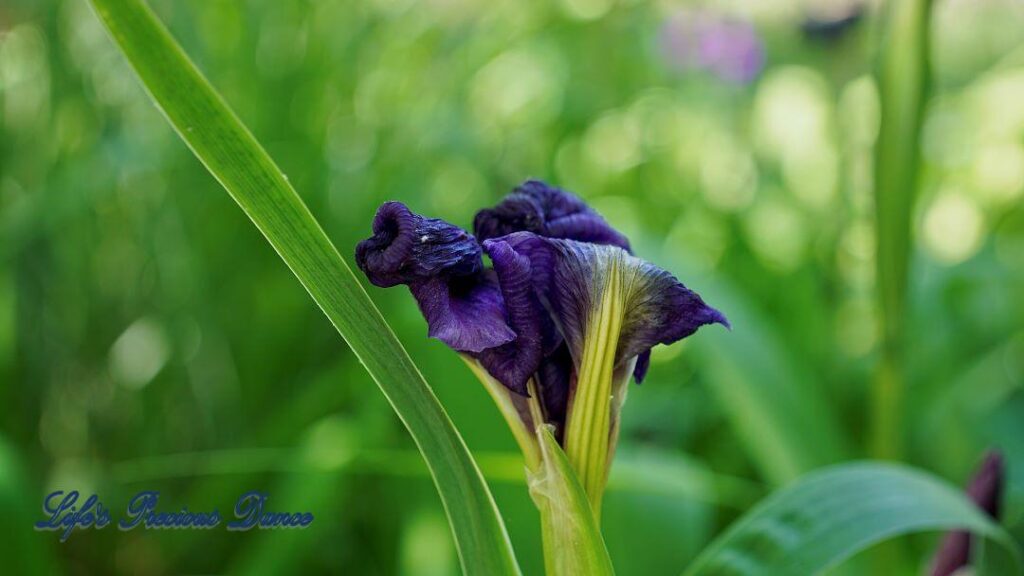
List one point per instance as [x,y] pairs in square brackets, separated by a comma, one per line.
[830,515]
[234,157]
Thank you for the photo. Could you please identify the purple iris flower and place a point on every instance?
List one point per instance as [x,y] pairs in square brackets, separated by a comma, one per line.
[528,315]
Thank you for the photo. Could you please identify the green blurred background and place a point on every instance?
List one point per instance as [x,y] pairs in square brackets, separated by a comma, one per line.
[151,339]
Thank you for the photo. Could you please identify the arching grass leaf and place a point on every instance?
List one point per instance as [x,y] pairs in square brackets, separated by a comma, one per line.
[831,515]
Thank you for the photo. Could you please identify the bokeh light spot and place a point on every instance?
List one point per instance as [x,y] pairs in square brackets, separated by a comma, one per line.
[728,174]
[586,9]
[777,234]
[139,353]
[953,227]
[612,143]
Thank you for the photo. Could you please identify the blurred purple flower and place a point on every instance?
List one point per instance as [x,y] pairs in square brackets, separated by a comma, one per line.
[729,48]
[985,490]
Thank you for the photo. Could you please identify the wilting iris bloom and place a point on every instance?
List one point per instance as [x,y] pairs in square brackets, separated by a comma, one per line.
[555,327]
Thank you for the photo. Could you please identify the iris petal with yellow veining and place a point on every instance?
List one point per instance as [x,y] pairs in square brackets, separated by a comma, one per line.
[569,275]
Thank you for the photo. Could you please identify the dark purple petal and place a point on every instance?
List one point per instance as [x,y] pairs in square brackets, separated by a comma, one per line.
[443,267]
[467,314]
[546,211]
[570,278]
[986,487]
[643,362]
[406,248]
[555,379]
[985,490]
[514,363]
[660,310]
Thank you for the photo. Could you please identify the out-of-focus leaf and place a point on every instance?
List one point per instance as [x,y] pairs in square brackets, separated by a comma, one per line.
[771,402]
[663,474]
[954,426]
[23,550]
[234,157]
[657,516]
[315,483]
[831,515]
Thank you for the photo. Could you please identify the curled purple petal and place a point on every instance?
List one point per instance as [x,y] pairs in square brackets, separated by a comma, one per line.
[406,247]
[527,316]
[546,211]
[570,278]
[985,490]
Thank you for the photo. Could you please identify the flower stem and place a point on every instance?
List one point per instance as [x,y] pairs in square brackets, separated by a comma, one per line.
[513,410]
[903,81]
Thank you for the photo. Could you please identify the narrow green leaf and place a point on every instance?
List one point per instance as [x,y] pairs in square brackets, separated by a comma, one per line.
[234,157]
[23,550]
[831,515]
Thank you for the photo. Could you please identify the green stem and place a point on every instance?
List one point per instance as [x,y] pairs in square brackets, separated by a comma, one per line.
[903,76]
[512,410]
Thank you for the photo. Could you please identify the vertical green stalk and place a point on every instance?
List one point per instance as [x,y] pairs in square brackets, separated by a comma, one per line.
[903,76]
[588,423]
[518,422]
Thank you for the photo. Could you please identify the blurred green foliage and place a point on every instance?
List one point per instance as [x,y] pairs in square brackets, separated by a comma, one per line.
[150,339]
